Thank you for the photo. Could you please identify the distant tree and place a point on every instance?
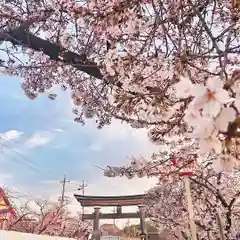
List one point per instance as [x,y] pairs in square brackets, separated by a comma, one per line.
[46,218]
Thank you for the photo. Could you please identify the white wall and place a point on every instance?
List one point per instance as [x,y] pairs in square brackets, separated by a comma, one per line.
[9,235]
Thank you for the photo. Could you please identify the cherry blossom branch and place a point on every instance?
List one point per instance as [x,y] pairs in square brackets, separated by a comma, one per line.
[55,52]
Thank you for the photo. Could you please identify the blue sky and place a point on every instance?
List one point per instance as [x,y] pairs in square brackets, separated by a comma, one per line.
[45,135]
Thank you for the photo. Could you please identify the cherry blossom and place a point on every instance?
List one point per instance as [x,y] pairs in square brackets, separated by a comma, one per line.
[192,116]
[169,67]
[210,98]
[205,127]
[209,143]
[237,101]
[207,113]
[157,65]
[214,191]
[44,217]
[183,88]
[226,116]
[167,205]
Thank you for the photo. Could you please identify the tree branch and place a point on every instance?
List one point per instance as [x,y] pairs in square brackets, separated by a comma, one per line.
[23,38]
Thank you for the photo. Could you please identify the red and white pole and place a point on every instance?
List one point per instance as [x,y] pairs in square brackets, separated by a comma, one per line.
[185,176]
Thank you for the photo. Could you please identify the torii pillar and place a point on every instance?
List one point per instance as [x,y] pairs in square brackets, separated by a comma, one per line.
[143,228]
[96,229]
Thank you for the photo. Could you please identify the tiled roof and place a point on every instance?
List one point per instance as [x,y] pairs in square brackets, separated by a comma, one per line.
[110,229]
[110,200]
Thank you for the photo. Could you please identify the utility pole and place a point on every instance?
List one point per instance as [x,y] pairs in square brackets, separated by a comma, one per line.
[82,187]
[62,198]
[63,182]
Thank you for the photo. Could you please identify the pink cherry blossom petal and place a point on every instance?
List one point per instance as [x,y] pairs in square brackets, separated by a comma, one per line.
[211,108]
[183,88]
[214,83]
[226,116]
[198,90]
[222,96]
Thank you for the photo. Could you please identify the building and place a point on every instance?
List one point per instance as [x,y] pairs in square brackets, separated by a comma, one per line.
[5,209]
[110,229]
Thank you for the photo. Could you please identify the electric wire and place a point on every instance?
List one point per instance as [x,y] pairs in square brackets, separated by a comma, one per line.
[26,160]
[21,162]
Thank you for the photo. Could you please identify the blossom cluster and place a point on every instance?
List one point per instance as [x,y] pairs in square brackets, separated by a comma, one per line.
[169,67]
[140,50]
[212,114]
[212,194]
[176,155]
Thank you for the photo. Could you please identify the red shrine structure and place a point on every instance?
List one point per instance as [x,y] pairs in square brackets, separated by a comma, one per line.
[6,209]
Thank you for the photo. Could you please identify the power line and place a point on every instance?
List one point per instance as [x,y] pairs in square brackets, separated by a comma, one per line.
[27,162]
[25,159]
[33,167]
[20,162]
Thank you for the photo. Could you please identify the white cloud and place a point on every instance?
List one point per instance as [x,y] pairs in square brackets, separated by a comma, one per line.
[119,186]
[58,130]
[117,131]
[11,135]
[39,139]
[126,135]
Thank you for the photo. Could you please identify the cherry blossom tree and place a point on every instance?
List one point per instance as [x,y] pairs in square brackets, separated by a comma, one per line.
[170,67]
[214,197]
[48,220]
[45,218]
[215,190]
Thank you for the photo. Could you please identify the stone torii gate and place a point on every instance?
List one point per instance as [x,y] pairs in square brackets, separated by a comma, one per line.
[113,201]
